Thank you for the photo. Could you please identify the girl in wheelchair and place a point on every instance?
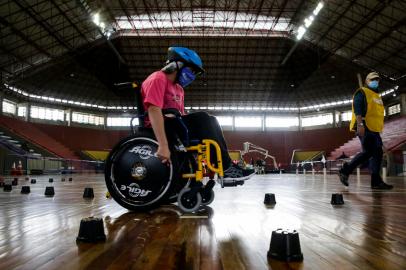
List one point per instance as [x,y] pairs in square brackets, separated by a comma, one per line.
[144,170]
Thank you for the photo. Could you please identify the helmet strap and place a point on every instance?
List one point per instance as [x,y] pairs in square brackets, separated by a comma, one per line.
[171,67]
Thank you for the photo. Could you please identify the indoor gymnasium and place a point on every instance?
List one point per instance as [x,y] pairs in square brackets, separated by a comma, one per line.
[202,134]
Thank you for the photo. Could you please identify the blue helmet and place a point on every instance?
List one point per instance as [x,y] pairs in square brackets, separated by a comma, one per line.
[187,56]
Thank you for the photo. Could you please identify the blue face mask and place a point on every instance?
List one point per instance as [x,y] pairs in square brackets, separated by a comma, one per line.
[186,76]
[373,85]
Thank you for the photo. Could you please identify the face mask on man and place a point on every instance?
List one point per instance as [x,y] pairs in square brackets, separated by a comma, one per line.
[373,85]
[186,76]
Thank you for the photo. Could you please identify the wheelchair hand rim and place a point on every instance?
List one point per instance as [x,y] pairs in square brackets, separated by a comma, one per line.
[115,183]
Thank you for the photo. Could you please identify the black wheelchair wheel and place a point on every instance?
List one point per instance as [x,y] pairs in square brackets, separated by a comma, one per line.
[135,177]
[187,202]
[207,197]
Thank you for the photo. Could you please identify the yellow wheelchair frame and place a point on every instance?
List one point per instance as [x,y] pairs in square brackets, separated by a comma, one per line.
[203,153]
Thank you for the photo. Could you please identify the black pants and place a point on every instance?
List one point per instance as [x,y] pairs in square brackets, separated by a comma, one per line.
[201,126]
[371,151]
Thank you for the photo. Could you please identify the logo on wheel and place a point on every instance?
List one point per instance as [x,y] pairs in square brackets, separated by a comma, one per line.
[144,151]
[134,190]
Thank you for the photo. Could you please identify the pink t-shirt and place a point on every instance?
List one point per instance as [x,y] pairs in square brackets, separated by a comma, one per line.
[159,91]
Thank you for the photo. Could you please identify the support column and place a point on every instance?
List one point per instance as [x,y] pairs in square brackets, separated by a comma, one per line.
[105,121]
[340,119]
[300,121]
[27,112]
[402,99]
[68,116]
[1,102]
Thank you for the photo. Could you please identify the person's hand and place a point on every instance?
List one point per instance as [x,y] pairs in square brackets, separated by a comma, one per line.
[164,154]
[361,131]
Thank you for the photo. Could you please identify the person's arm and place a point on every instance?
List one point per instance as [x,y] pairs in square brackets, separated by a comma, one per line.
[157,123]
[360,126]
[153,100]
[359,111]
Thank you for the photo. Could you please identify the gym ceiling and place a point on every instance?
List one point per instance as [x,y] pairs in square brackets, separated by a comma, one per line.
[61,49]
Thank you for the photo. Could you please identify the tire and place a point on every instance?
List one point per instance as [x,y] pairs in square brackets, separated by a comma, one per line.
[135,177]
[207,197]
[189,205]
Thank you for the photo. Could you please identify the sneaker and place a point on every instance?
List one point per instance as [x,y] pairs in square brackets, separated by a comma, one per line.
[382,186]
[235,172]
[343,176]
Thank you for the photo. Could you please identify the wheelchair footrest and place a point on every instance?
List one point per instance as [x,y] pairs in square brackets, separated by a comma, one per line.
[232,183]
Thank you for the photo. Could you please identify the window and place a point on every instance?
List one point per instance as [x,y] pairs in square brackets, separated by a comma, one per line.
[248,121]
[120,121]
[87,118]
[394,109]
[277,121]
[225,121]
[346,116]
[9,106]
[46,113]
[22,111]
[316,120]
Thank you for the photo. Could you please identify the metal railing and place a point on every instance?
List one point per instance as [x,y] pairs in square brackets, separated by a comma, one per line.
[28,164]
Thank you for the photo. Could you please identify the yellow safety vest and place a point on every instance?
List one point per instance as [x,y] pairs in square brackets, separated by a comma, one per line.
[375,111]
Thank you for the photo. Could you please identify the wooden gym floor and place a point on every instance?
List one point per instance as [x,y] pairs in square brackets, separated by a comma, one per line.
[367,232]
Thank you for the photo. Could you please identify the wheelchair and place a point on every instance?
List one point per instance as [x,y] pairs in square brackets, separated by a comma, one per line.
[138,180]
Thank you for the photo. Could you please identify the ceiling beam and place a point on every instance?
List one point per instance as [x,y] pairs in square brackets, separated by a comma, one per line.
[279,15]
[334,24]
[24,37]
[124,9]
[380,38]
[69,20]
[113,19]
[367,19]
[19,58]
[34,15]
[295,14]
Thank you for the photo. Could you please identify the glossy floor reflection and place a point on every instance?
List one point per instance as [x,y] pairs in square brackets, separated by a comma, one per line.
[367,232]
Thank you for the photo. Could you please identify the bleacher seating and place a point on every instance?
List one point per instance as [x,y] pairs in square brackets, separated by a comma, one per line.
[31,133]
[96,155]
[394,135]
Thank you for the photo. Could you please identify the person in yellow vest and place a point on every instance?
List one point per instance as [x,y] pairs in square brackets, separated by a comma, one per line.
[367,120]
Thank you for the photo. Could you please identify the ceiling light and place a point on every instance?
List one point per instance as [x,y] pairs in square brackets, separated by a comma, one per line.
[96,19]
[318,8]
[309,21]
[300,32]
